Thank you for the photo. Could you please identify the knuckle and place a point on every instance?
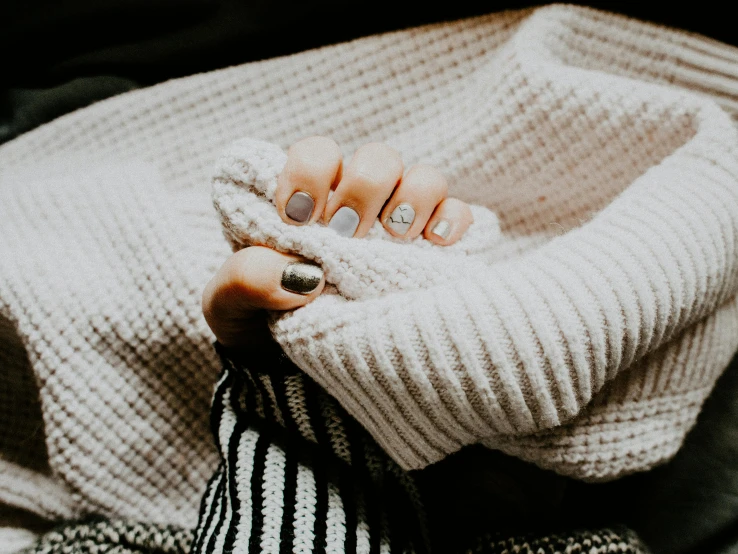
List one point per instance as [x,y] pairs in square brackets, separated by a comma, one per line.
[237,271]
[459,206]
[323,148]
[428,177]
[316,143]
[375,168]
[312,158]
[379,151]
[322,143]
[304,169]
[369,182]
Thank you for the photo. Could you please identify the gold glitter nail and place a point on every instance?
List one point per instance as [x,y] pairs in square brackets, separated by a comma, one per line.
[301,278]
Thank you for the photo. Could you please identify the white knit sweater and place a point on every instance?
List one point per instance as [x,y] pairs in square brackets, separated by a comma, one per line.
[584,338]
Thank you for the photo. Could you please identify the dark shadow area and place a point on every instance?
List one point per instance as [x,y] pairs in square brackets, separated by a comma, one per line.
[63,56]
[22,438]
[689,505]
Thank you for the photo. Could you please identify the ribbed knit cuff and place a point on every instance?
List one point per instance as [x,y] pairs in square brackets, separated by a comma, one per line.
[297,471]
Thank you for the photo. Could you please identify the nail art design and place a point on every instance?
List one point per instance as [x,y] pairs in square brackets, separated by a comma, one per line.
[300,207]
[301,278]
[442,229]
[345,221]
[401,219]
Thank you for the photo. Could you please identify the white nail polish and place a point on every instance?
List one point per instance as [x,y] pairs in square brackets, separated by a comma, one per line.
[401,219]
[345,221]
[442,229]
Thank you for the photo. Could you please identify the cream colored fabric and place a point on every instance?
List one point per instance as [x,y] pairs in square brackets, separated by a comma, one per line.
[14,540]
[108,237]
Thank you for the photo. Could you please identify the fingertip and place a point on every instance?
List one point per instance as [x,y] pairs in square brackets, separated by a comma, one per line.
[313,165]
[304,279]
[449,222]
[413,202]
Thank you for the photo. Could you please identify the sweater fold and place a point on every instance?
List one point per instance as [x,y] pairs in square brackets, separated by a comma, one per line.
[433,348]
[594,313]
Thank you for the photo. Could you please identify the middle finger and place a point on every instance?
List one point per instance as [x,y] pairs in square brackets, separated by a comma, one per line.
[367,182]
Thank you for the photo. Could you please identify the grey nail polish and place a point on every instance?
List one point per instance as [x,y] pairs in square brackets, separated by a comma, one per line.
[442,229]
[301,278]
[345,221]
[300,207]
[401,218]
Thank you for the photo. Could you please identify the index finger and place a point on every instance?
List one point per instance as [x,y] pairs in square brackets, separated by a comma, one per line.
[313,166]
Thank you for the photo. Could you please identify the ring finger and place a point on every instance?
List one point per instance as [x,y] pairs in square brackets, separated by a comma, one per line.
[414,201]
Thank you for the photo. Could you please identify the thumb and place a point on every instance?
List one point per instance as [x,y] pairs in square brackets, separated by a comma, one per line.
[252,280]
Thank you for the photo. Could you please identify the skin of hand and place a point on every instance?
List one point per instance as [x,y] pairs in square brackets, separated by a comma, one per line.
[371,185]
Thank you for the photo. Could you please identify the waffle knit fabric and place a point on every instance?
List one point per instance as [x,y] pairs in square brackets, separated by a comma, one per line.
[298,474]
[107,237]
[589,352]
[126,537]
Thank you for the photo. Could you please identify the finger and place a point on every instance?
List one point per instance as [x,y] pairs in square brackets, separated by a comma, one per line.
[254,279]
[367,182]
[449,222]
[313,165]
[414,201]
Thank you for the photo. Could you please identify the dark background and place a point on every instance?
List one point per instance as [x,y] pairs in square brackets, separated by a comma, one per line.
[61,55]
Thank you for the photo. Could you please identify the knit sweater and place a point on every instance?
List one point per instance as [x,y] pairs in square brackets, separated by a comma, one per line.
[544,116]
[587,350]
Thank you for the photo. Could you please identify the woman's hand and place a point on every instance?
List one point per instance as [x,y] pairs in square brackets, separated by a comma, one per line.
[372,185]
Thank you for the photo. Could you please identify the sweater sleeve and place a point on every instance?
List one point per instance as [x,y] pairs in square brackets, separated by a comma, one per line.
[517,346]
[503,339]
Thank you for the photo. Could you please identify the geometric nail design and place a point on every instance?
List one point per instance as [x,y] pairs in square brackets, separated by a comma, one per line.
[401,219]
[300,207]
[301,277]
[345,221]
[442,229]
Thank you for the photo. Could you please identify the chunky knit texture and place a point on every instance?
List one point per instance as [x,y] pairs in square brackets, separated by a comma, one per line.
[299,474]
[589,352]
[108,236]
[128,537]
[99,536]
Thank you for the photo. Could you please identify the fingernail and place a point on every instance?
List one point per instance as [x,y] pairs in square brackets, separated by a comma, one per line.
[345,221]
[401,218]
[300,207]
[301,277]
[442,229]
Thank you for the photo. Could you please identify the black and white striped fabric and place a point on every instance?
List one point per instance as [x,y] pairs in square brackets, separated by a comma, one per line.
[297,473]
[120,536]
[101,536]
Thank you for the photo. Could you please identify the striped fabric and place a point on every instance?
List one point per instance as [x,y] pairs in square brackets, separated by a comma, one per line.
[102,536]
[298,474]
[120,536]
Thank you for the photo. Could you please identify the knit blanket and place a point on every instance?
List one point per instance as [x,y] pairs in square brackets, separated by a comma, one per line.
[586,340]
